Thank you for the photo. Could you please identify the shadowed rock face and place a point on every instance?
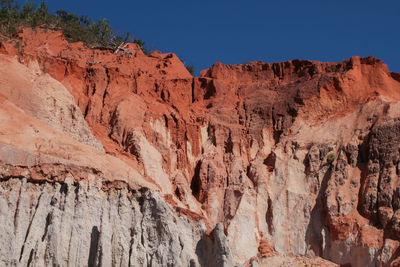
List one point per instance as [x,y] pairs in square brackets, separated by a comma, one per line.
[246,163]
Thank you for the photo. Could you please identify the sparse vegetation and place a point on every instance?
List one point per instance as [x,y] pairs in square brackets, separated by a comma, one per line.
[331,157]
[190,68]
[97,33]
[335,68]
[142,46]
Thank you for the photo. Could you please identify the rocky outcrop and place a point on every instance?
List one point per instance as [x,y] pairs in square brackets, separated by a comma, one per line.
[44,98]
[262,163]
[63,224]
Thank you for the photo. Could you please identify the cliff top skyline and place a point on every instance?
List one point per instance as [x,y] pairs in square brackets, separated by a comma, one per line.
[237,32]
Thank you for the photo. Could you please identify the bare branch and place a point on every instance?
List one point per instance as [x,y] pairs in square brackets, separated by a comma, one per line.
[123,47]
[93,63]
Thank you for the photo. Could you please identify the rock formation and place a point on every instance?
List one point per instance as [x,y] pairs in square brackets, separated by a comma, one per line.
[127,160]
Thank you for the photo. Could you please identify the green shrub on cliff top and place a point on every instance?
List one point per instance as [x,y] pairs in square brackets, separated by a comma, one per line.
[331,157]
[97,33]
[190,68]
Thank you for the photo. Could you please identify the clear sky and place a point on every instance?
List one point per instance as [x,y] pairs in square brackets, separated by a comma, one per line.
[234,32]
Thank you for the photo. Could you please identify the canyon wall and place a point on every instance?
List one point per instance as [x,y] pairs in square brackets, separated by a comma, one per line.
[116,159]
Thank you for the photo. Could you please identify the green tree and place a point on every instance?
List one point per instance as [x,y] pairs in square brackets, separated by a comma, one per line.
[75,28]
[102,30]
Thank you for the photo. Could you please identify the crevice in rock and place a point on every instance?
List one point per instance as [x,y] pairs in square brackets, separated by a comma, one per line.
[107,71]
[165,120]
[86,91]
[270,161]
[17,207]
[141,200]
[278,70]
[104,96]
[269,216]
[86,110]
[277,136]
[211,90]
[30,258]
[364,171]
[229,144]
[298,99]
[211,134]
[64,188]
[94,245]
[278,125]
[195,184]
[76,191]
[119,204]
[193,85]
[249,173]
[179,193]
[132,233]
[67,63]
[29,227]
[46,227]
[292,110]
[165,95]
[93,89]
[336,84]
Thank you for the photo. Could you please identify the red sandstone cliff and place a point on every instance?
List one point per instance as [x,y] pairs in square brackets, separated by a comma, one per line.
[296,159]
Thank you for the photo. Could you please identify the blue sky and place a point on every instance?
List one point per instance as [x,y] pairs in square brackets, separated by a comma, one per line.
[234,32]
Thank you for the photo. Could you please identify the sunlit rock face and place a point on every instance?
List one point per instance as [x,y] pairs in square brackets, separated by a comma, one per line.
[127,160]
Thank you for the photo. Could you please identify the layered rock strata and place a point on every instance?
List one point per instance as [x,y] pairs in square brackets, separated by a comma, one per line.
[141,164]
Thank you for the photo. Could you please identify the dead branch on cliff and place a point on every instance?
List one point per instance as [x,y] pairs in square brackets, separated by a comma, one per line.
[93,63]
[125,51]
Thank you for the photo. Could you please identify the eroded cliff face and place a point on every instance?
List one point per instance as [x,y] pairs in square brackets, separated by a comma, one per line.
[139,163]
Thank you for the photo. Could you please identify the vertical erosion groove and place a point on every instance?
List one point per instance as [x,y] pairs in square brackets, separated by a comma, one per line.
[196,183]
[269,217]
[94,245]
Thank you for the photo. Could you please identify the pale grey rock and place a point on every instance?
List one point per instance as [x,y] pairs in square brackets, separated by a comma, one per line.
[53,224]
[213,250]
